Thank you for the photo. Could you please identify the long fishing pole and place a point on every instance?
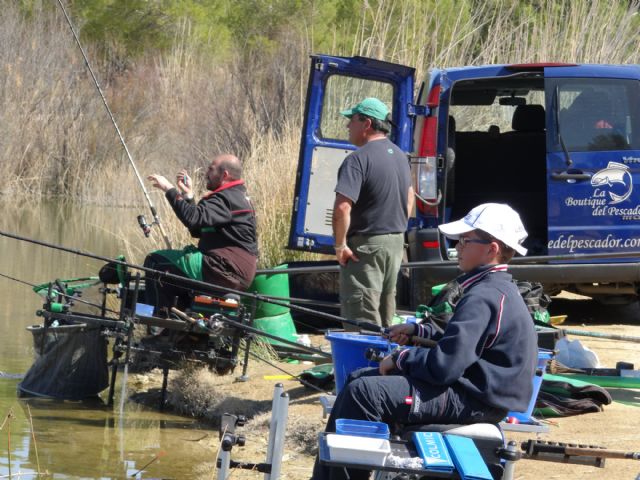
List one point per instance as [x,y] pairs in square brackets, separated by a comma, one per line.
[538,259]
[294,377]
[154,212]
[604,336]
[207,287]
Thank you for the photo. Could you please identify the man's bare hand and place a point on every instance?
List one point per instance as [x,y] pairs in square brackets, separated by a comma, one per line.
[344,254]
[402,333]
[184,183]
[160,182]
[387,366]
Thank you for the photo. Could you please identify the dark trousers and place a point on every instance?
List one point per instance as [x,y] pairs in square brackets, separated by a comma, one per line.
[163,292]
[398,400]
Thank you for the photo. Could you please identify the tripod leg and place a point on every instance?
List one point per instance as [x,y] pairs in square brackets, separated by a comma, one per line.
[112,385]
[244,377]
[163,394]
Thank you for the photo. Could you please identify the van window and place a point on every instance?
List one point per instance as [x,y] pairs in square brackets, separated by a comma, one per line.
[497,139]
[342,93]
[595,114]
[493,117]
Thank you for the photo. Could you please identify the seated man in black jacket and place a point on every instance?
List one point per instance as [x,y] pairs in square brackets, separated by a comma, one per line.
[482,365]
[225,223]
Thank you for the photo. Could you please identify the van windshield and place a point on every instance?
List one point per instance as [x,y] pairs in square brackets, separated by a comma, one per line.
[594,114]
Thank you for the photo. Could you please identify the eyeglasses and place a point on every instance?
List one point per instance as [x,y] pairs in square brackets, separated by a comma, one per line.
[462,241]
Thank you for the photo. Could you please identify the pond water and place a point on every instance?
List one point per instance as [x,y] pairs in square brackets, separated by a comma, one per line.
[75,439]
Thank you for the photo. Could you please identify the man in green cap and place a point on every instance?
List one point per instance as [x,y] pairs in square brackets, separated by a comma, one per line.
[373,200]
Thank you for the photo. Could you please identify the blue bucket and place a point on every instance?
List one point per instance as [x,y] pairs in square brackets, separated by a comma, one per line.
[543,358]
[348,352]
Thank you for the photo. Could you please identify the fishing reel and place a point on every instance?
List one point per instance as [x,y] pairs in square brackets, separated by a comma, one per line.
[59,300]
[146,228]
[374,355]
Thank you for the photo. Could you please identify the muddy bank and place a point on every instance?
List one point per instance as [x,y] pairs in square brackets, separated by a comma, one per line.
[201,394]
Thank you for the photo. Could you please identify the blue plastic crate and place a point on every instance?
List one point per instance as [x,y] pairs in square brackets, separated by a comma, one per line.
[362,428]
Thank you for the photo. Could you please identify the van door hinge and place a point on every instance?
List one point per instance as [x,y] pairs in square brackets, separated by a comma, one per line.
[418,110]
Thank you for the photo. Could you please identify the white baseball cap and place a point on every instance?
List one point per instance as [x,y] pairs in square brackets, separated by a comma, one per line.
[497,219]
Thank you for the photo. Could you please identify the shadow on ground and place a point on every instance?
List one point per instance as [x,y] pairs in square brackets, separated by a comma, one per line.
[589,311]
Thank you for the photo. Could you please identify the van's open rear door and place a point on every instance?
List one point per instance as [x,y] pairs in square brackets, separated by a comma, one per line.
[335,84]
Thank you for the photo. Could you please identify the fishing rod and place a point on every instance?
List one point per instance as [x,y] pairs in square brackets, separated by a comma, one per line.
[154,213]
[256,331]
[247,328]
[539,259]
[604,336]
[204,286]
[294,377]
[208,287]
[65,295]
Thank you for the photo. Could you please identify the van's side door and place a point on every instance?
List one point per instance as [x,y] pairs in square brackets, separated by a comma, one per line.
[593,160]
[336,84]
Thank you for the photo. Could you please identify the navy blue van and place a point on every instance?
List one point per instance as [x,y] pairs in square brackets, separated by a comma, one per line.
[558,142]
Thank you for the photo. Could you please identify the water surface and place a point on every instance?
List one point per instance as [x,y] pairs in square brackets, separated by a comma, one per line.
[76,439]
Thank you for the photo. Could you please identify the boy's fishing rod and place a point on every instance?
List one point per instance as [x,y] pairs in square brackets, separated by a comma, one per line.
[538,259]
[154,213]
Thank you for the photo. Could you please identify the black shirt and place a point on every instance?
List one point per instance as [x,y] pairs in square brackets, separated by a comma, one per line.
[376,178]
[225,223]
[222,218]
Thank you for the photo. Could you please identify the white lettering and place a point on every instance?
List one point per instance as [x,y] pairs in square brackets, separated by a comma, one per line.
[584,202]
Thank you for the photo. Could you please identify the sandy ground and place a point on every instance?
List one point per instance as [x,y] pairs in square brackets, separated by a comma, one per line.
[617,427]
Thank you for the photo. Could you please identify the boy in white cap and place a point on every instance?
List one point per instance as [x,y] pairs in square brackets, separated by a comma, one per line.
[482,365]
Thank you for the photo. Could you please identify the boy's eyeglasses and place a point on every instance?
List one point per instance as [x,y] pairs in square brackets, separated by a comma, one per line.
[462,241]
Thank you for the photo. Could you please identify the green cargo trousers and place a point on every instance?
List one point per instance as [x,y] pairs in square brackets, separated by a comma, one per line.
[368,287]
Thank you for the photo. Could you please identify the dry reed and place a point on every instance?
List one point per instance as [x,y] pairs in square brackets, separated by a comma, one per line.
[179,109]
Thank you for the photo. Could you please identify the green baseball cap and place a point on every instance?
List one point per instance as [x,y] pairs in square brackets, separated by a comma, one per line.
[371,107]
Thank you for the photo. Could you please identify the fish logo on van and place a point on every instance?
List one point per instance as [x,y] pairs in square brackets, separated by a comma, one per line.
[615,174]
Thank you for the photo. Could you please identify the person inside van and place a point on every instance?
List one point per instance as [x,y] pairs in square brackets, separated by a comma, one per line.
[483,363]
[591,124]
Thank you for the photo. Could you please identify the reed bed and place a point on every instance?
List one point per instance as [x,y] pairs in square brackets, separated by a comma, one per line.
[179,108]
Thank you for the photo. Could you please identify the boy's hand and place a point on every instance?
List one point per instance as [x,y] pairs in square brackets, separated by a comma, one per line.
[387,366]
[402,333]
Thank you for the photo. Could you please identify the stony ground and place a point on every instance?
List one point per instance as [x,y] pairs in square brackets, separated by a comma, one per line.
[617,427]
